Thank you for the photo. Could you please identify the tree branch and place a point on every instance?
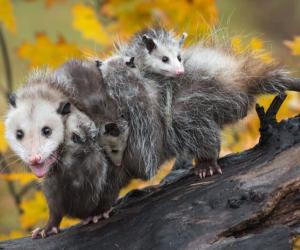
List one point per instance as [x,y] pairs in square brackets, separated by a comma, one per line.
[253,205]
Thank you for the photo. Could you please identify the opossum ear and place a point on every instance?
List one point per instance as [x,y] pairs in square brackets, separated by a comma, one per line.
[182,39]
[77,139]
[12,98]
[112,129]
[150,44]
[130,63]
[64,108]
[98,63]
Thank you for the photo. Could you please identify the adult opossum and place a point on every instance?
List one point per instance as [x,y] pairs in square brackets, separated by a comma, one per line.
[59,143]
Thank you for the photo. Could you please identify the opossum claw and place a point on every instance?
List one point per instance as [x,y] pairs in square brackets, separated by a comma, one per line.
[211,172]
[106,214]
[207,167]
[219,170]
[200,175]
[97,218]
[35,233]
[44,232]
[87,221]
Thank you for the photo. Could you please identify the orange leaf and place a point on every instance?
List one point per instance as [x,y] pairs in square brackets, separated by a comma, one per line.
[45,52]
[50,3]
[294,45]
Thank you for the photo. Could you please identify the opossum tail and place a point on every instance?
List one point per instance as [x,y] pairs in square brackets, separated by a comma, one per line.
[261,78]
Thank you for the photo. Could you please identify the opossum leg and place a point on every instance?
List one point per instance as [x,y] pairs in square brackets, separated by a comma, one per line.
[51,228]
[204,168]
[104,215]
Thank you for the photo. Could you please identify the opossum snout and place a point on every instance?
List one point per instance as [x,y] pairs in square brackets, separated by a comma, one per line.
[179,71]
[35,160]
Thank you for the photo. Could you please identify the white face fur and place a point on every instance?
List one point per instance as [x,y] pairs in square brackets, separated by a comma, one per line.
[165,61]
[35,130]
[162,59]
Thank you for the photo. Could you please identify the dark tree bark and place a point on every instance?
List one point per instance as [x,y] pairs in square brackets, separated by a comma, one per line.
[255,204]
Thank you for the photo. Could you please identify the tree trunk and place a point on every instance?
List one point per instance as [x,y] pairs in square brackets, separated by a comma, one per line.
[255,204]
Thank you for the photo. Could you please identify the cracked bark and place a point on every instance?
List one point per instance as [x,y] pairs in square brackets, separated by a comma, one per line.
[255,204]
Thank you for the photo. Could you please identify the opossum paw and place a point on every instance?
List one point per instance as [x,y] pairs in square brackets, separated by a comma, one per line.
[97,218]
[204,168]
[87,221]
[106,214]
[44,232]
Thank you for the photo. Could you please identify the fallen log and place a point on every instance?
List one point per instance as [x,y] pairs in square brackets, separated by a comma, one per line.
[255,204]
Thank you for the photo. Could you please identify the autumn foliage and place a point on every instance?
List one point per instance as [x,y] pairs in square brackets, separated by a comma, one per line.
[102,23]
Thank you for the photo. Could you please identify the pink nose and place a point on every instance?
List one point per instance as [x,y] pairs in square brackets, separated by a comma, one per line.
[35,160]
[179,71]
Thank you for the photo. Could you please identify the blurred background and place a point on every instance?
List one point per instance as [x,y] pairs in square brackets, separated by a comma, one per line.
[36,33]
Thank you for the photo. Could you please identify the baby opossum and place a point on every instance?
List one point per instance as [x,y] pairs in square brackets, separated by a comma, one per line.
[92,97]
[60,144]
[155,51]
[157,54]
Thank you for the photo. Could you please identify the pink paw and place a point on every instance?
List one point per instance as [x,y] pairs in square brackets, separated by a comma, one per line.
[205,168]
[44,232]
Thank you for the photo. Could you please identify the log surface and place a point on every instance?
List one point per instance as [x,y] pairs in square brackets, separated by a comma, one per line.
[255,204]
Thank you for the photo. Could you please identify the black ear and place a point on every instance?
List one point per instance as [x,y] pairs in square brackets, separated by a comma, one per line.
[112,129]
[150,44]
[12,98]
[98,63]
[77,139]
[64,108]
[130,63]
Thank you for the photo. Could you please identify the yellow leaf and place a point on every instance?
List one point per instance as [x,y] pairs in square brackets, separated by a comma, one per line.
[7,16]
[13,235]
[256,44]
[294,45]
[236,44]
[296,243]
[35,211]
[3,142]
[45,52]
[131,17]
[85,20]
[138,184]
[67,222]
[22,178]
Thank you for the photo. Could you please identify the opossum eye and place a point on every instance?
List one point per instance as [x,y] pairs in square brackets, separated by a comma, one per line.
[19,134]
[114,151]
[46,131]
[165,59]
[179,58]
